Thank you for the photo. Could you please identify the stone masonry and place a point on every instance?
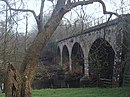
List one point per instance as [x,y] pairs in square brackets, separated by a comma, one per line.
[117,34]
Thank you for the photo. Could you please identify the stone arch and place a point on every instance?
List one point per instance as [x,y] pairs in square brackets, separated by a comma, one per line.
[65,57]
[58,59]
[77,58]
[101,60]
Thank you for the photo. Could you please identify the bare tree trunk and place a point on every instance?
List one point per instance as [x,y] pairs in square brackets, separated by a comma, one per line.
[13,81]
[31,60]
[33,53]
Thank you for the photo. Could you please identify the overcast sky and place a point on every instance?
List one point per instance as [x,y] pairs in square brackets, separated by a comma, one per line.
[94,10]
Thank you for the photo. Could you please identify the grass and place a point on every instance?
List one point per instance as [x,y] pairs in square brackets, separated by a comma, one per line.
[2,94]
[81,92]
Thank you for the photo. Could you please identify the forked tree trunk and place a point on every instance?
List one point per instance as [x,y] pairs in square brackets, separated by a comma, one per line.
[21,87]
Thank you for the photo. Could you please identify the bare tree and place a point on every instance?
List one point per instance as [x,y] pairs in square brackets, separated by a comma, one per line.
[19,82]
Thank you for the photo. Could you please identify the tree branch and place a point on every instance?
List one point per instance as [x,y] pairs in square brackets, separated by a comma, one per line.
[22,10]
[41,8]
[104,9]
[59,6]
[40,16]
[69,6]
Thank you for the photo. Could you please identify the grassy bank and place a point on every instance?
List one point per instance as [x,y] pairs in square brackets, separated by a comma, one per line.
[81,92]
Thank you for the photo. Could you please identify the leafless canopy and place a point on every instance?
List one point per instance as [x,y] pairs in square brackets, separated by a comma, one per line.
[66,6]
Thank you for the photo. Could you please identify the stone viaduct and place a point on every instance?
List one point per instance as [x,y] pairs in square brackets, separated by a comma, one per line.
[102,51]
